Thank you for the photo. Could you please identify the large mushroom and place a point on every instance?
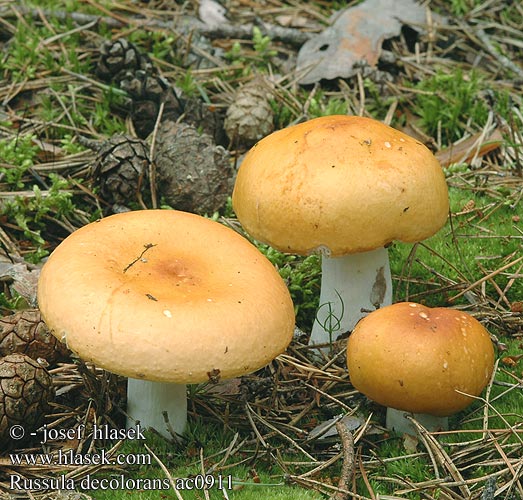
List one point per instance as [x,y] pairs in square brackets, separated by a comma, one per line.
[166,298]
[424,362]
[345,187]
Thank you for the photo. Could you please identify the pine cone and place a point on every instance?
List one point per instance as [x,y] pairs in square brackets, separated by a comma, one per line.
[25,391]
[205,118]
[147,92]
[25,333]
[193,173]
[250,117]
[118,57]
[120,168]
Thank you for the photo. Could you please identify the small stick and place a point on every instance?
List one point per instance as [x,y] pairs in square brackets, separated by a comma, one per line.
[347,467]
[503,60]
[291,36]
[146,247]
[277,431]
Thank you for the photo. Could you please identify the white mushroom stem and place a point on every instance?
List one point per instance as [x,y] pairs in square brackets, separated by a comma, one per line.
[397,421]
[147,401]
[351,287]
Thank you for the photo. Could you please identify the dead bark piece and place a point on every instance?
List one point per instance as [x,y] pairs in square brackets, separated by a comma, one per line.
[193,173]
[24,279]
[212,13]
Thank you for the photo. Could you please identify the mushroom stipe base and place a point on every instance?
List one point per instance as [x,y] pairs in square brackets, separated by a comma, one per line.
[351,286]
[147,401]
[397,420]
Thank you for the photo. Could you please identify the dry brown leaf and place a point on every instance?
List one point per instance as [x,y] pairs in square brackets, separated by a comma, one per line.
[464,151]
[511,360]
[356,35]
[410,443]
[516,307]
[328,429]
[229,387]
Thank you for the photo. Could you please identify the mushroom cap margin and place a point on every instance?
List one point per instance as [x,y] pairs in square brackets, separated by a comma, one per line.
[339,185]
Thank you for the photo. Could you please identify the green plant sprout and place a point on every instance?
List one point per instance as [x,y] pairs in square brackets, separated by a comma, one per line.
[332,322]
[31,211]
[319,106]
[261,44]
[259,58]
[18,156]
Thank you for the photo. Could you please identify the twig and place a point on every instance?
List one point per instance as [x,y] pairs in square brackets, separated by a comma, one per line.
[364,476]
[291,36]
[249,413]
[203,472]
[277,431]
[503,60]
[146,247]
[347,467]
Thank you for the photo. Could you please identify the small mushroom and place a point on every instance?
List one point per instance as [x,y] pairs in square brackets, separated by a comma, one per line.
[425,362]
[166,298]
[345,187]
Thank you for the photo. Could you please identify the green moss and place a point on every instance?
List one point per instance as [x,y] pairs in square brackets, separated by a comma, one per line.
[449,102]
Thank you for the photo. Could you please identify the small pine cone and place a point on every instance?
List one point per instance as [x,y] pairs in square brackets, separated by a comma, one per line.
[143,116]
[143,86]
[147,93]
[118,57]
[25,333]
[120,168]
[193,173]
[25,392]
[250,117]
[205,118]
